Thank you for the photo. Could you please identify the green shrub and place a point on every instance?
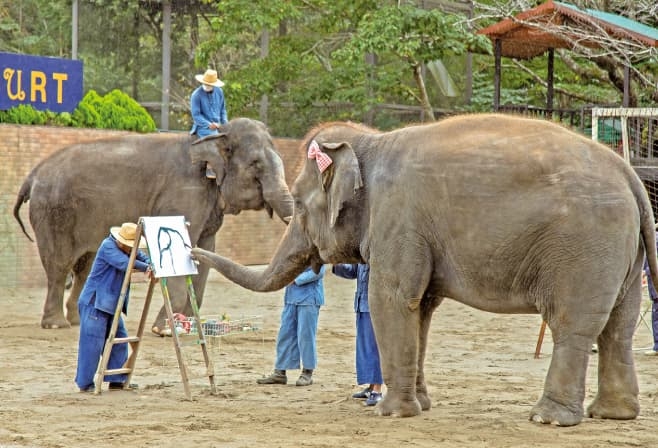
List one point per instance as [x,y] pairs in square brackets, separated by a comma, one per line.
[116,110]
[86,115]
[22,114]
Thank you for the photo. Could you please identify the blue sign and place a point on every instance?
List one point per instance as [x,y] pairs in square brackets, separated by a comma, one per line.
[44,83]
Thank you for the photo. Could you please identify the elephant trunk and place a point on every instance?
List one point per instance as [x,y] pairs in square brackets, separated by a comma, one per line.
[276,193]
[269,279]
[292,256]
[281,202]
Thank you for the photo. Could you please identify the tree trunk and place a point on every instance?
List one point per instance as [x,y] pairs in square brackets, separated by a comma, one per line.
[424,99]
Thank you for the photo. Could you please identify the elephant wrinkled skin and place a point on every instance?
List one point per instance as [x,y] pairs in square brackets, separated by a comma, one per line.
[505,214]
[79,192]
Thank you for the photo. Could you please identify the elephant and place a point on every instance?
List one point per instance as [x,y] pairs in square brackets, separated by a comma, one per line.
[502,213]
[77,193]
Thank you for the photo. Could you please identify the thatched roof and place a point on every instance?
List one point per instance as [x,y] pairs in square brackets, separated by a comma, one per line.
[532,32]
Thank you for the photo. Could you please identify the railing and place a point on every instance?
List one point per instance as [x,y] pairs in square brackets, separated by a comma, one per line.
[578,119]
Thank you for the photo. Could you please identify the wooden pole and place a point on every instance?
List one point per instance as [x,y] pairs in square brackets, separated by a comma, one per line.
[498,51]
[540,340]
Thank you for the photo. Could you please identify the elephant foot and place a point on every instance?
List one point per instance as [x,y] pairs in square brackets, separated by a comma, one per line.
[424,400]
[398,408]
[73,319]
[53,323]
[622,408]
[547,411]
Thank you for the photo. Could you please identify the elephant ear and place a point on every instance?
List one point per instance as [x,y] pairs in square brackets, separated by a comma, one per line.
[342,178]
[213,149]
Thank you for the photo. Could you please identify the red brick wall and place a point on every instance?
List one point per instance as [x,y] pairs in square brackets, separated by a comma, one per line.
[249,238]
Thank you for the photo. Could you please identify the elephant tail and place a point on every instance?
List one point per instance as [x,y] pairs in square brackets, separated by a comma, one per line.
[23,197]
[648,229]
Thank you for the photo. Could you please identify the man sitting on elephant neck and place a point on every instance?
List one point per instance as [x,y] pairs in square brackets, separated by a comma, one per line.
[208,109]
[98,302]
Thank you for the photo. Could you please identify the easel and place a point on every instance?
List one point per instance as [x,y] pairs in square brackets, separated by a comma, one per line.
[135,341]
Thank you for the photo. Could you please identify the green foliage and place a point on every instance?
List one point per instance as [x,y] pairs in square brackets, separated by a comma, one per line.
[414,35]
[26,114]
[23,114]
[116,110]
[35,27]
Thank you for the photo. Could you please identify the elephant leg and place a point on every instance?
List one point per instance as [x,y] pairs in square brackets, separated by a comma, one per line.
[575,322]
[80,273]
[53,309]
[617,396]
[564,389]
[396,317]
[427,308]
[180,300]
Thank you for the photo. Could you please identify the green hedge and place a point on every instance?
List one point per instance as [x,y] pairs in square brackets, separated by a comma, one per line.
[116,110]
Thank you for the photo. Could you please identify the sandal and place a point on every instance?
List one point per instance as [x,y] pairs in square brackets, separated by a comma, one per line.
[161,333]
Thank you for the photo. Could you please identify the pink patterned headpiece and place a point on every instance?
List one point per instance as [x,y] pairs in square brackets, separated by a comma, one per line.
[323,160]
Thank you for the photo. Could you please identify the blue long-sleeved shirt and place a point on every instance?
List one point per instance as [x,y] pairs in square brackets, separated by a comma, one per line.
[360,272]
[104,282]
[307,289]
[207,107]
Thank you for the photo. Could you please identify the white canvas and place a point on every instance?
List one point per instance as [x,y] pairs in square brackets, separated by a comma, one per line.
[169,245]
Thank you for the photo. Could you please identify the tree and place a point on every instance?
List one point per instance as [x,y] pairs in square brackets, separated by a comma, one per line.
[415,36]
[316,67]
[35,27]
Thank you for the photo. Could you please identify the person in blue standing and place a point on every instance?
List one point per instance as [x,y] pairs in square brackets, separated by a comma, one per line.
[208,109]
[97,305]
[653,295]
[368,368]
[296,342]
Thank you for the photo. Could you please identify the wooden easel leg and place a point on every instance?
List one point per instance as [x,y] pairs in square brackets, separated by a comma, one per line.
[210,368]
[130,363]
[174,335]
[540,339]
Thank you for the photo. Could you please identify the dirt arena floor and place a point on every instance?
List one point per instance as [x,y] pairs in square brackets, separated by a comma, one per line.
[481,374]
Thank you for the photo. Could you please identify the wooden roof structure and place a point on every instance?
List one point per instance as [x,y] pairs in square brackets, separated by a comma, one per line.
[533,32]
[551,25]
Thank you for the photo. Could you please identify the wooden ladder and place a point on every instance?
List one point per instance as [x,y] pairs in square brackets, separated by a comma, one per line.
[135,341]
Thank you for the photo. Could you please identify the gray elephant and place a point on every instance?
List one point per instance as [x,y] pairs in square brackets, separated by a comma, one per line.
[505,214]
[79,192]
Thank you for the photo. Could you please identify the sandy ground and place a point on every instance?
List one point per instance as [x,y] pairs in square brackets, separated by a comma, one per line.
[480,368]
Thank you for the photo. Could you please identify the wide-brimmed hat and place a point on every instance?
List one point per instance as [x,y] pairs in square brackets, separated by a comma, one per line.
[209,78]
[126,234]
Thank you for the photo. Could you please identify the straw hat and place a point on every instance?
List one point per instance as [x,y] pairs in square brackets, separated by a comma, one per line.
[126,234]
[209,78]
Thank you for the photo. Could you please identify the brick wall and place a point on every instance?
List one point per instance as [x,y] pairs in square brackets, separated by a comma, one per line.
[249,238]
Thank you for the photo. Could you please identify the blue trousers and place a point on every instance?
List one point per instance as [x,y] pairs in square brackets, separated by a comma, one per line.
[368,368]
[296,339]
[654,322]
[654,305]
[95,327]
